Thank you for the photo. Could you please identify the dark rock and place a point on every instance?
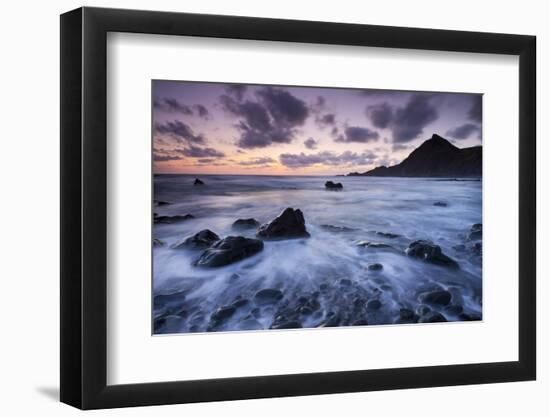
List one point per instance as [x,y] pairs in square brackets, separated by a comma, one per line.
[161,300]
[245,224]
[422,309]
[289,224]
[345,282]
[167,324]
[455,309]
[476,232]
[374,305]
[198,182]
[406,314]
[460,248]
[229,250]
[172,219]
[432,317]
[333,320]
[305,310]
[329,185]
[441,297]
[337,229]
[158,243]
[427,251]
[373,245]
[375,267]
[294,324]
[469,317]
[203,239]
[268,296]
[161,203]
[440,204]
[477,249]
[240,303]
[388,235]
[386,287]
[222,314]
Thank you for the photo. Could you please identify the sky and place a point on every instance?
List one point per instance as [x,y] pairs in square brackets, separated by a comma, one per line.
[218,128]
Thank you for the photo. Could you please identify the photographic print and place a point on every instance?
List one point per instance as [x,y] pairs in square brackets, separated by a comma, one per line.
[296,207]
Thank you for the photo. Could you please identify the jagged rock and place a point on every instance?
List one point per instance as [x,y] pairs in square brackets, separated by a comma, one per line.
[198,182]
[329,185]
[427,251]
[229,250]
[245,224]
[172,219]
[289,224]
[204,239]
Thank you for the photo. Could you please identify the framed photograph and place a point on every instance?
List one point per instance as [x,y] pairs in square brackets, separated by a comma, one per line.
[257,208]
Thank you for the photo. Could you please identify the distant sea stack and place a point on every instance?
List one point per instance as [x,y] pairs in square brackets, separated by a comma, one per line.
[436,157]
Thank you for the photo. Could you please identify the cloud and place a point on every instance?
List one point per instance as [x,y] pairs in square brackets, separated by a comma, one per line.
[236,91]
[202,111]
[380,115]
[399,147]
[475,112]
[357,134]
[347,158]
[464,131]
[257,161]
[409,121]
[310,143]
[172,105]
[198,152]
[272,118]
[179,131]
[161,157]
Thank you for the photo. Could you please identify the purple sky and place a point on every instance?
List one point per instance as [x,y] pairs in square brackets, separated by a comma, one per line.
[277,130]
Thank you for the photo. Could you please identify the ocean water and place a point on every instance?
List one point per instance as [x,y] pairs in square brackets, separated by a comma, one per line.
[327,273]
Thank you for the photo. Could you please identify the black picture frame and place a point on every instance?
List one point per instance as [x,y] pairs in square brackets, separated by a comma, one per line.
[84,207]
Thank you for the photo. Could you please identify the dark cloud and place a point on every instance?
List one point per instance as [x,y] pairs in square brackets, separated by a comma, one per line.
[381,115]
[347,158]
[161,157]
[327,119]
[399,147]
[464,131]
[206,160]
[310,143]
[285,109]
[271,119]
[198,152]
[257,161]
[236,91]
[475,112]
[409,121]
[202,111]
[172,105]
[357,134]
[179,131]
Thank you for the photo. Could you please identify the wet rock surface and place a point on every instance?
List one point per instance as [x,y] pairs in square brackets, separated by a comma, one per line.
[229,250]
[429,252]
[245,224]
[172,219]
[290,224]
[329,185]
[203,239]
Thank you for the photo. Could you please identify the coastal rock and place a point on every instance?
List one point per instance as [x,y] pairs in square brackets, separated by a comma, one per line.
[204,239]
[172,219]
[245,224]
[268,296]
[440,204]
[293,324]
[222,314]
[375,267]
[388,235]
[432,317]
[441,297]
[198,182]
[431,253]
[337,229]
[290,224]
[329,185]
[373,245]
[476,232]
[229,250]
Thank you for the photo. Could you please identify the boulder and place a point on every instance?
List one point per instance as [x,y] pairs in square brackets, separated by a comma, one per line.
[476,232]
[427,251]
[198,182]
[245,224]
[440,297]
[204,239]
[229,250]
[172,219]
[375,267]
[329,185]
[268,296]
[290,224]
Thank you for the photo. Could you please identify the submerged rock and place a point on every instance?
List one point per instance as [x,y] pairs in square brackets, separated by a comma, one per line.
[161,300]
[373,245]
[440,204]
[222,314]
[245,224]
[204,239]
[198,182]
[290,224]
[441,297]
[229,250]
[431,253]
[375,267]
[337,229]
[172,219]
[388,235]
[432,317]
[476,232]
[158,243]
[374,305]
[160,203]
[268,296]
[329,185]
